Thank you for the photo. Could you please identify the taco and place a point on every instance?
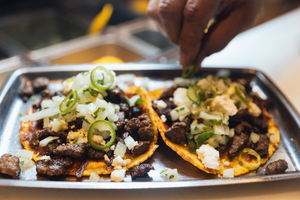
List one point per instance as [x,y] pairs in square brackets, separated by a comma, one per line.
[95,128]
[215,125]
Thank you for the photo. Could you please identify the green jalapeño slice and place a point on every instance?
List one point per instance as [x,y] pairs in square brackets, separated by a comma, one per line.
[99,81]
[69,102]
[193,95]
[251,164]
[101,135]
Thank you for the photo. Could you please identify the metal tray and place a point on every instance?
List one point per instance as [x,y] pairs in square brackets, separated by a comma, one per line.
[284,114]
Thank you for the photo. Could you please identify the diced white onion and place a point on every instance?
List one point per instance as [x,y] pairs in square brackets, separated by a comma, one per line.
[272,138]
[130,142]
[169,174]
[118,175]
[174,115]
[228,173]
[47,140]
[41,114]
[207,116]
[120,149]
[198,128]
[56,125]
[80,140]
[254,137]
[45,158]
[101,103]
[25,154]
[46,122]
[94,177]
[231,132]
[133,99]
[27,164]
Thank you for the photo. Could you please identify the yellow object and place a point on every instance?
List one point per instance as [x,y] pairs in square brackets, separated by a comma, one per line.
[139,6]
[101,19]
[108,59]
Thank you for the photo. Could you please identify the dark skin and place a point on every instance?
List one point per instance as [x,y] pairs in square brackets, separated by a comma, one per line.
[184,22]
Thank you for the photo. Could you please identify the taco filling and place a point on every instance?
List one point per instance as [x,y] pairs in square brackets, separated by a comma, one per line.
[95,127]
[214,124]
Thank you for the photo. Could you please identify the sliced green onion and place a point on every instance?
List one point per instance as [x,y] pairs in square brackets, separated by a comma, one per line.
[249,165]
[69,102]
[189,72]
[99,83]
[242,94]
[95,130]
[193,95]
[202,137]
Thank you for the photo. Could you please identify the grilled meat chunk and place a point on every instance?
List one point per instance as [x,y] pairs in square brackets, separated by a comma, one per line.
[26,90]
[141,148]
[40,134]
[140,170]
[262,147]
[116,95]
[277,167]
[176,133]
[95,154]
[10,165]
[72,150]
[238,143]
[243,127]
[54,167]
[40,84]
[121,120]
[46,94]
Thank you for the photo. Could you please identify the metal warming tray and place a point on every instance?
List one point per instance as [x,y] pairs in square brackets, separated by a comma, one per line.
[284,114]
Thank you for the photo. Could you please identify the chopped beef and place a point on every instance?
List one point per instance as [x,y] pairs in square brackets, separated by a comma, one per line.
[141,148]
[35,138]
[26,90]
[243,127]
[72,150]
[132,127]
[46,94]
[261,124]
[146,133]
[222,149]
[168,92]
[53,167]
[121,120]
[238,143]
[124,107]
[10,165]
[135,111]
[244,115]
[116,95]
[140,170]
[262,147]
[75,124]
[51,146]
[261,103]
[95,154]
[187,121]
[176,133]
[40,83]
[36,107]
[277,167]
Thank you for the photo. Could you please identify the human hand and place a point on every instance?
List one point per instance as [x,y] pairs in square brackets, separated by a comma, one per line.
[184,22]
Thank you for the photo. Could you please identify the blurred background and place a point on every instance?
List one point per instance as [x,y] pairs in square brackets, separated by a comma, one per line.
[51,32]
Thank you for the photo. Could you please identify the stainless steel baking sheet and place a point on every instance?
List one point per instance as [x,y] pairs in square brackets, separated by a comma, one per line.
[284,114]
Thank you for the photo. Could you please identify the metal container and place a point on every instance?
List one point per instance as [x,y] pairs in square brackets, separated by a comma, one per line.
[283,112]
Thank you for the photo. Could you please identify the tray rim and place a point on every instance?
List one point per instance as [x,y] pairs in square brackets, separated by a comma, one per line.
[144,185]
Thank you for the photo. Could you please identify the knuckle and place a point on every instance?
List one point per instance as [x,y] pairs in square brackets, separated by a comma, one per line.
[166,9]
[191,11]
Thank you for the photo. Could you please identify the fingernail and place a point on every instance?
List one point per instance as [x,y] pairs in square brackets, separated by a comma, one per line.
[182,59]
